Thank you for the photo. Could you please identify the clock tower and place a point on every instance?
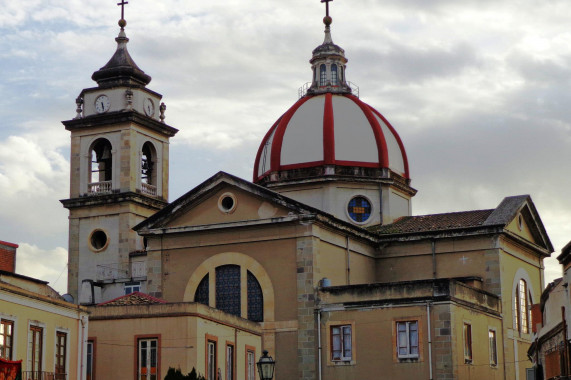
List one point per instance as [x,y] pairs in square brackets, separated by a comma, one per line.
[119,176]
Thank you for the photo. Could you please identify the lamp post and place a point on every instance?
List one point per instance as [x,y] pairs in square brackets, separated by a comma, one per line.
[266,366]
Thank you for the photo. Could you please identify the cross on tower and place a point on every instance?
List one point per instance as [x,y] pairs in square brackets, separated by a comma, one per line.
[123,3]
[326,6]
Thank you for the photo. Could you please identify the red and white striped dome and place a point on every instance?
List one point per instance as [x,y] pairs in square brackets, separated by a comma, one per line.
[327,129]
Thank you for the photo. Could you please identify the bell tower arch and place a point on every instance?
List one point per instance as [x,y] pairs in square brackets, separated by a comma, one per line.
[119,177]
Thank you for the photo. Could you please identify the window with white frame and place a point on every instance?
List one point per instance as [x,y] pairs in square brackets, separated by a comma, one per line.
[211,360]
[250,365]
[522,307]
[132,287]
[6,339]
[493,347]
[148,359]
[407,340]
[341,343]
[229,362]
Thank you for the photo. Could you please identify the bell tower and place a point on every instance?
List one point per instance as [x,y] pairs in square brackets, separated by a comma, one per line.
[119,176]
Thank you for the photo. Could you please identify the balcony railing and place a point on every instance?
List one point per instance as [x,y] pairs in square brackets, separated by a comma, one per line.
[148,189]
[303,89]
[97,188]
[122,271]
[43,375]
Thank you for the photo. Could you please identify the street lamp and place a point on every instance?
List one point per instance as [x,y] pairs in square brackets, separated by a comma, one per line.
[266,366]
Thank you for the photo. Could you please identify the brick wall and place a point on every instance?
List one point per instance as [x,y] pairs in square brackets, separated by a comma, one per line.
[8,256]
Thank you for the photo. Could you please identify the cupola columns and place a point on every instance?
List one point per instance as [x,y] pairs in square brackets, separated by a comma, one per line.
[328,64]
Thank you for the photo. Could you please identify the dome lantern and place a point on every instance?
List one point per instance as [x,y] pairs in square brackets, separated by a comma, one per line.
[328,64]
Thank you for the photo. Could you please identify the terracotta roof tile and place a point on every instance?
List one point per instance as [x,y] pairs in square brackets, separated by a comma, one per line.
[135,298]
[435,222]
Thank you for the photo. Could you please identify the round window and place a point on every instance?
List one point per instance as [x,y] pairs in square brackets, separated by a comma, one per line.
[227,203]
[98,240]
[520,222]
[359,209]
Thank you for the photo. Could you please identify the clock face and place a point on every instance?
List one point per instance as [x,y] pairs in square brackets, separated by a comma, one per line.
[149,107]
[102,104]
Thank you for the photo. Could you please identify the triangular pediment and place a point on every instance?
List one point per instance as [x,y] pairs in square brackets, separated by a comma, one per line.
[520,219]
[224,200]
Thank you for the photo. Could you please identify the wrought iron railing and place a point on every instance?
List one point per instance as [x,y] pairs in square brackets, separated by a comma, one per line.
[122,271]
[43,375]
[96,188]
[302,91]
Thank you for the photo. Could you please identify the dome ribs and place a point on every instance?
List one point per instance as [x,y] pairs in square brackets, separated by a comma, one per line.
[399,141]
[328,131]
[279,136]
[379,137]
[257,174]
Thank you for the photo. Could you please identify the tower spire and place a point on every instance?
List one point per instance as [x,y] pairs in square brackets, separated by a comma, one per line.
[121,70]
[328,63]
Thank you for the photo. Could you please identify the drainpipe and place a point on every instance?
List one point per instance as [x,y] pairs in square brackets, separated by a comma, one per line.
[433,247]
[565,343]
[429,339]
[319,348]
[348,260]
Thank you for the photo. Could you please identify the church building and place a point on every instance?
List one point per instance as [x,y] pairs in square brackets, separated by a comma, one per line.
[317,260]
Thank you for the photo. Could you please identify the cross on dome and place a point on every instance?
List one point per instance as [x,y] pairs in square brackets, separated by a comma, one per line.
[122,22]
[326,7]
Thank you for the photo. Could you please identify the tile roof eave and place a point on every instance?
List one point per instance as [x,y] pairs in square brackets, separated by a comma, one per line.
[439,233]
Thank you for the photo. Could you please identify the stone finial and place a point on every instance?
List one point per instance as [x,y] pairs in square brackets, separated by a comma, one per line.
[79,109]
[162,109]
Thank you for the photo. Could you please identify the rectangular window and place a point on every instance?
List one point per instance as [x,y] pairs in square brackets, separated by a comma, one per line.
[6,339]
[493,348]
[467,343]
[407,339]
[211,360]
[90,370]
[36,350]
[61,355]
[148,359]
[229,362]
[250,365]
[341,344]
[132,287]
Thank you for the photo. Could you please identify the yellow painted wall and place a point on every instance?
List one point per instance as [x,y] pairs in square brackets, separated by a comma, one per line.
[182,330]
[28,309]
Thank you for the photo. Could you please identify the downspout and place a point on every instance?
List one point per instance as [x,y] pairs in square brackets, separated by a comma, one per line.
[348,260]
[381,204]
[433,248]
[319,348]
[565,342]
[429,339]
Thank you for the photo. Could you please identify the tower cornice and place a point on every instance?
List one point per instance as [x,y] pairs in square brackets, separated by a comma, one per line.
[112,118]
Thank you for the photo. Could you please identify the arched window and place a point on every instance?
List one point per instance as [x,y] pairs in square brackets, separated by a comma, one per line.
[202,292]
[322,75]
[228,289]
[101,167]
[148,164]
[334,75]
[255,299]
[522,307]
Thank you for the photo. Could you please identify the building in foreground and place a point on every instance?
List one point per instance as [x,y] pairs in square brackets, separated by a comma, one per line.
[39,327]
[318,260]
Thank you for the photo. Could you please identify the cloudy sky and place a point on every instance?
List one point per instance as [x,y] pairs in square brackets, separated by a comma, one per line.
[478,91]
